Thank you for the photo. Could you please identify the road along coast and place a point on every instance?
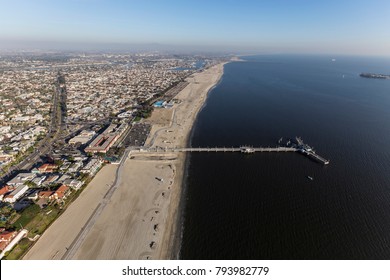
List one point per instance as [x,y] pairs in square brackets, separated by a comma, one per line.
[139,218]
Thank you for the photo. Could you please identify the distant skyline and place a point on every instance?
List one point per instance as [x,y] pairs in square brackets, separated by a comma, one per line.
[264,26]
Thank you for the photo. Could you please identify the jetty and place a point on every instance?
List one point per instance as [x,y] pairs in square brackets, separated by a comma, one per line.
[297,146]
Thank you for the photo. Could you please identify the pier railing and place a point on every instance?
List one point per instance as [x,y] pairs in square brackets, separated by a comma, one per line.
[299,147]
[226,149]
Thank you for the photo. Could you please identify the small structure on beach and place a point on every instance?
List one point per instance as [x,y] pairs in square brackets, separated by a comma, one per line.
[159,104]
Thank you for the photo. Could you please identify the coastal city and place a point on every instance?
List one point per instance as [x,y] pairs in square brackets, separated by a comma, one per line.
[66,115]
[194,139]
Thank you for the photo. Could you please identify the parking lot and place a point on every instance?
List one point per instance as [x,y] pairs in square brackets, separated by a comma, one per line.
[137,135]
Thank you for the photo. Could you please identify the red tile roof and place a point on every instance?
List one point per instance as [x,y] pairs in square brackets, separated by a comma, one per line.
[61,191]
[4,190]
[7,236]
[45,194]
[47,167]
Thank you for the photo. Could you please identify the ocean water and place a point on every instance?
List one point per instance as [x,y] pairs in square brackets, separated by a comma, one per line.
[263,206]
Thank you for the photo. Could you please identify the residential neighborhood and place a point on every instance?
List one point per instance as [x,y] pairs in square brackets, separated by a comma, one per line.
[63,118]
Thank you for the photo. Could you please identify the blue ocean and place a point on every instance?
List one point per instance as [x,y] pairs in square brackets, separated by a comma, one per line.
[262,205]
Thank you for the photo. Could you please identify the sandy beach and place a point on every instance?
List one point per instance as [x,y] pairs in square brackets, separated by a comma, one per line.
[59,236]
[139,219]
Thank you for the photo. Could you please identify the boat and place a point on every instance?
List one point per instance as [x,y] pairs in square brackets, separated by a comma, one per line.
[310,178]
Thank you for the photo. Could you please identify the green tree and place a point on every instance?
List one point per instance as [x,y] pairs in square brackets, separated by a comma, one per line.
[31,184]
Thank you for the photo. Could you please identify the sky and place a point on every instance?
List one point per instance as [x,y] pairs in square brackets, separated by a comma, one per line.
[280,26]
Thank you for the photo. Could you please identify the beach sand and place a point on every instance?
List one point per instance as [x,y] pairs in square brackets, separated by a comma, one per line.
[139,221]
[59,236]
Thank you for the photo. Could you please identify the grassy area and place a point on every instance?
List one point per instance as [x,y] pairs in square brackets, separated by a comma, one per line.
[27,216]
[19,250]
[36,220]
[42,221]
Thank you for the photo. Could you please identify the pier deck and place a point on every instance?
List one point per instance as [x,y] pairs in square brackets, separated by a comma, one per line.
[314,156]
[224,149]
[299,146]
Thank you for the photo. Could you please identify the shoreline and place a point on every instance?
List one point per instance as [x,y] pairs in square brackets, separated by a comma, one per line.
[178,220]
[177,228]
[143,217]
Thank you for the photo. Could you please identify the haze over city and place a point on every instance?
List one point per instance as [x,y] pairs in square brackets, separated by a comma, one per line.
[336,27]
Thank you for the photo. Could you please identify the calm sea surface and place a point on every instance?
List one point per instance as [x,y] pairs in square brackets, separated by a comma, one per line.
[263,206]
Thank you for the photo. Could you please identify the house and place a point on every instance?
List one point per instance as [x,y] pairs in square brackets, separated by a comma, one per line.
[65,165]
[33,195]
[3,191]
[15,194]
[34,170]
[5,158]
[75,167]
[51,180]
[62,192]
[46,195]
[63,178]
[92,166]
[39,180]
[21,179]
[6,237]
[74,184]
[47,168]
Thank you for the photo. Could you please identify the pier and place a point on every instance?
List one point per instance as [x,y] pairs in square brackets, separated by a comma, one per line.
[244,149]
[298,146]
[314,156]
[308,151]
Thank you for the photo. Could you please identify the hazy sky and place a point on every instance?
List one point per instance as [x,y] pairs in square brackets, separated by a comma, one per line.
[329,26]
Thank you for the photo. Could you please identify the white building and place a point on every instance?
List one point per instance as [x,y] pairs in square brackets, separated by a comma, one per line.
[20,179]
[92,166]
[5,158]
[75,167]
[22,119]
[84,137]
[39,180]
[74,184]
[5,129]
[16,194]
